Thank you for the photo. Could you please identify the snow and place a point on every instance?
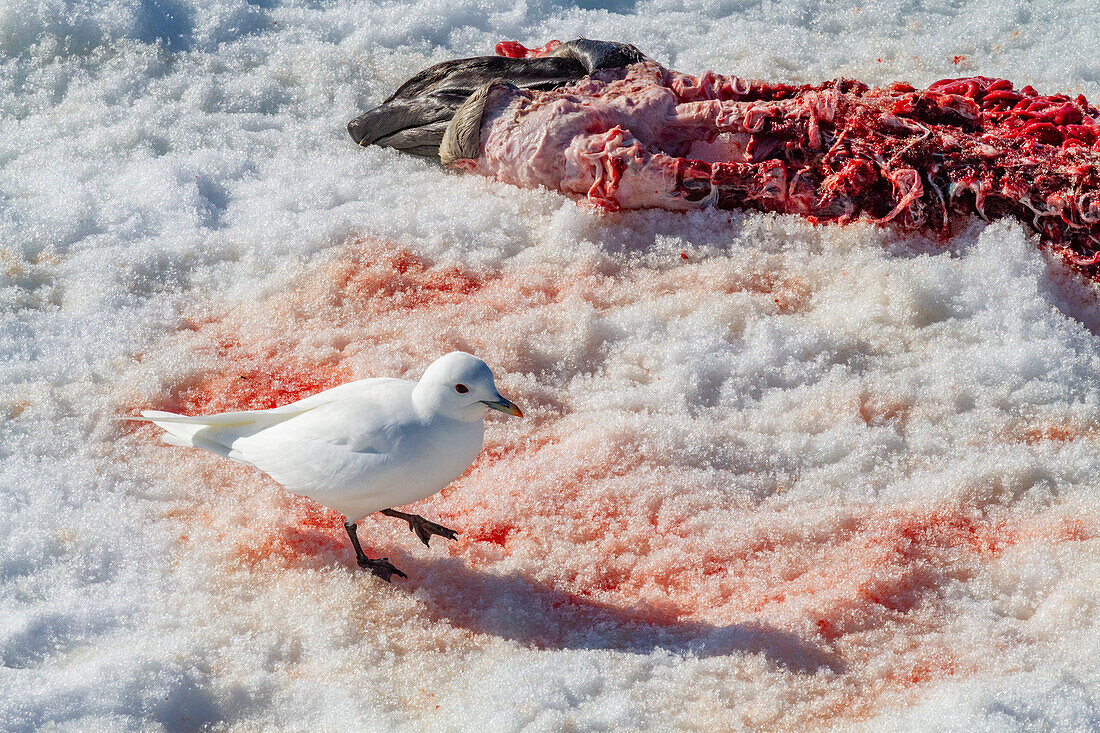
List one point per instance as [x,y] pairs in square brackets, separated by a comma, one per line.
[772,475]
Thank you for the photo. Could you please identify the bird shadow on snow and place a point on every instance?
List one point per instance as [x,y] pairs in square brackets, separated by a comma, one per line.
[535,614]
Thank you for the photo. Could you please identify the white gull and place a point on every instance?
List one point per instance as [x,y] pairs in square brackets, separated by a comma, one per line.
[362,447]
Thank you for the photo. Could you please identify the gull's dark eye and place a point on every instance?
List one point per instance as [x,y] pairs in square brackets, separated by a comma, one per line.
[461,388]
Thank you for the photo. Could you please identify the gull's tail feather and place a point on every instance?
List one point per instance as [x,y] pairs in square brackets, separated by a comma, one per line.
[217,433]
[214,433]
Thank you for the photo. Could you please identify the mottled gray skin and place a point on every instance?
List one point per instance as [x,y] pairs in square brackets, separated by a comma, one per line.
[416,118]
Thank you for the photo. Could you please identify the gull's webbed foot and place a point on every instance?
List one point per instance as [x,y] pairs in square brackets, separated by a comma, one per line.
[380,567]
[423,528]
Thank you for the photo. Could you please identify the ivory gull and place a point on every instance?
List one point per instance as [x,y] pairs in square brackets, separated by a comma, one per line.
[363,447]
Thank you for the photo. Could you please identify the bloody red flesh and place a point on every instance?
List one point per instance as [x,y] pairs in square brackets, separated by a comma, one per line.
[837,151]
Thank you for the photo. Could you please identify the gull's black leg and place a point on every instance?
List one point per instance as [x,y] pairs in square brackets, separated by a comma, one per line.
[423,528]
[381,567]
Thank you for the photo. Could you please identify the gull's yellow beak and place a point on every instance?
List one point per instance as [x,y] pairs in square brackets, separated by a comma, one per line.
[504,406]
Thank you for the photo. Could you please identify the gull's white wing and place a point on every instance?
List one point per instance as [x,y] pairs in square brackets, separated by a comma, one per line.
[217,433]
[317,469]
[339,447]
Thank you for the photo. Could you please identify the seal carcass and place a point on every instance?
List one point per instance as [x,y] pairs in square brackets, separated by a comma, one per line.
[602,122]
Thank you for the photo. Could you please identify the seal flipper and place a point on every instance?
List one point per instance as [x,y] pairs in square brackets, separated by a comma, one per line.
[435,94]
[383,124]
[462,140]
[415,118]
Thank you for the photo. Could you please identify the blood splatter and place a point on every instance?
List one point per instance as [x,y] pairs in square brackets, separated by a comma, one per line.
[572,518]
[311,531]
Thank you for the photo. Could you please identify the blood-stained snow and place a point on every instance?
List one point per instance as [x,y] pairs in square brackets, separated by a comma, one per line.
[772,475]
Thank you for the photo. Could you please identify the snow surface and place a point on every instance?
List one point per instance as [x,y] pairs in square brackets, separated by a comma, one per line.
[772,476]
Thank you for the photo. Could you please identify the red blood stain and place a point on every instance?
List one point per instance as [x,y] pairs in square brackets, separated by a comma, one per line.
[1051,433]
[312,531]
[311,516]
[871,570]
[256,382]
[597,517]
[958,60]
[262,368]
[877,410]
[826,629]
[516,50]
[381,278]
[924,670]
[497,452]
[494,533]
[789,293]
